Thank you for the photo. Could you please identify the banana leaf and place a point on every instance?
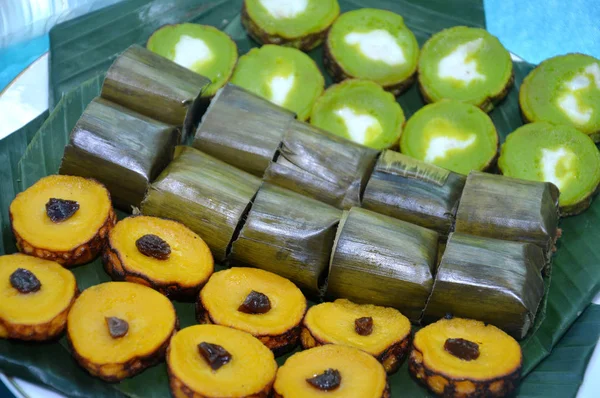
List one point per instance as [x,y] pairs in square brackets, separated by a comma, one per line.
[288,234]
[236,142]
[322,166]
[414,191]
[208,196]
[379,260]
[122,149]
[575,281]
[84,47]
[11,150]
[149,84]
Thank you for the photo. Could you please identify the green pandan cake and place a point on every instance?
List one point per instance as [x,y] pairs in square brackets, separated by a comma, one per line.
[451,134]
[564,90]
[285,76]
[465,64]
[372,44]
[361,111]
[301,24]
[561,155]
[202,48]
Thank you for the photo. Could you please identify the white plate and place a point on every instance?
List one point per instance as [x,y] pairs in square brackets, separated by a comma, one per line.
[25,97]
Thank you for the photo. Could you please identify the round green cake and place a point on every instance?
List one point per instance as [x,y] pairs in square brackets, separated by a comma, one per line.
[361,111]
[301,24]
[374,45]
[564,90]
[558,154]
[202,48]
[283,75]
[465,64]
[453,135]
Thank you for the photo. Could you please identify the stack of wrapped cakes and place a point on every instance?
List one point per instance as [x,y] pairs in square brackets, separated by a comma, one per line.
[337,218]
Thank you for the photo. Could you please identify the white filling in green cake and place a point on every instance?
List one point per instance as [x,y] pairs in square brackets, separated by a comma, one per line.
[281,86]
[284,9]
[458,65]
[190,51]
[359,126]
[377,45]
[561,159]
[569,101]
[440,147]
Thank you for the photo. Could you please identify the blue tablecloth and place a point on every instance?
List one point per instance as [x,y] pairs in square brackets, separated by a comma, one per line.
[539,29]
[533,29]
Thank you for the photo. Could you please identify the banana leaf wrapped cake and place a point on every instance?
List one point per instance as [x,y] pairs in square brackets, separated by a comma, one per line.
[414,191]
[495,281]
[507,208]
[321,165]
[154,86]
[122,149]
[288,234]
[206,195]
[383,261]
[242,129]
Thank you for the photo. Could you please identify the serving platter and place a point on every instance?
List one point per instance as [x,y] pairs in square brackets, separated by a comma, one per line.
[574,278]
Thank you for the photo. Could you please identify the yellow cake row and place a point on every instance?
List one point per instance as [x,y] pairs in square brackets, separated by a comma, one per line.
[71,220]
[117,329]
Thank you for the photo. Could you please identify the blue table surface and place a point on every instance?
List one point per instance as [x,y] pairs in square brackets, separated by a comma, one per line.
[533,29]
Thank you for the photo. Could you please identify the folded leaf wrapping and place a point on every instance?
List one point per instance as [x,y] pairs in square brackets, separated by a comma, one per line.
[491,280]
[288,234]
[242,129]
[380,260]
[414,191]
[321,165]
[206,195]
[122,149]
[507,208]
[156,87]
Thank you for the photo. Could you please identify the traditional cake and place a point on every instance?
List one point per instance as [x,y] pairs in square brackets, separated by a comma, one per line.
[259,302]
[35,297]
[204,49]
[62,218]
[456,136]
[333,371]
[285,76]
[465,64]
[466,358]
[162,254]
[564,90]
[380,331]
[301,24]
[372,44]
[361,111]
[118,329]
[558,154]
[213,361]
